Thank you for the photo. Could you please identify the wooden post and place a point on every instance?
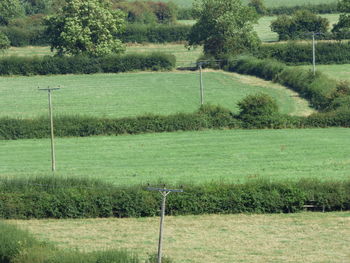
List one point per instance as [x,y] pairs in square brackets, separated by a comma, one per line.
[53,158]
[164,192]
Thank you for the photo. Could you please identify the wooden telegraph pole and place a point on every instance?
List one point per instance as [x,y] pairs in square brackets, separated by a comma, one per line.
[53,159]
[201,87]
[164,192]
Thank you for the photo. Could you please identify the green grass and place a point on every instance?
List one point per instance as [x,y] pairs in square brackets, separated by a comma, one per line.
[132,94]
[302,237]
[185,157]
[184,57]
[339,72]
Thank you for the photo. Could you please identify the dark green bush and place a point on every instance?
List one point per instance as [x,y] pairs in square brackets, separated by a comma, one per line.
[141,33]
[257,105]
[71,198]
[84,65]
[301,22]
[314,8]
[294,53]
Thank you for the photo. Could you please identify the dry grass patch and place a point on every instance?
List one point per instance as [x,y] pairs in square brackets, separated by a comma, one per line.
[304,237]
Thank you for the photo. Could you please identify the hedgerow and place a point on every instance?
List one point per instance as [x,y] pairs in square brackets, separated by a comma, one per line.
[50,197]
[15,65]
[294,53]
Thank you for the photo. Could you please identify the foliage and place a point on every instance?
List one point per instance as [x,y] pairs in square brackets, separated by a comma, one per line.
[4,42]
[84,65]
[223,27]
[300,23]
[318,89]
[294,53]
[85,27]
[72,198]
[141,33]
[9,9]
[259,105]
[328,8]
[259,6]
[343,26]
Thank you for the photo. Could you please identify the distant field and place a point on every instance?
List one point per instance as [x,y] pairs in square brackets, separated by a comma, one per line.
[268,3]
[302,237]
[228,155]
[184,57]
[339,72]
[263,27]
[132,94]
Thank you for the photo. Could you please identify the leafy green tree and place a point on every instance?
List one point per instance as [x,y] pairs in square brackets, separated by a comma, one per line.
[223,27]
[259,6]
[10,9]
[85,27]
[342,28]
[301,22]
[4,42]
[257,105]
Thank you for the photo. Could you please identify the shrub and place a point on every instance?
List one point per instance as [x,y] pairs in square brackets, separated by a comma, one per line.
[314,8]
[141,33]
[72,198]
[258,105]
[299,53]
[4,42]
[84,65]
[298,24]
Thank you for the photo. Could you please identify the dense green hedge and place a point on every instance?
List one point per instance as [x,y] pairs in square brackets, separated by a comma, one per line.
[19,246]
[141,33]
[81,198]
[15,65]
[301,53]
[31,36]
[88,126]
[315,8]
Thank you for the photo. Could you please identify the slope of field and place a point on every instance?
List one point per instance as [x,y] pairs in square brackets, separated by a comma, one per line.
[229,155]
[132,94]
[339,72]
[304,237]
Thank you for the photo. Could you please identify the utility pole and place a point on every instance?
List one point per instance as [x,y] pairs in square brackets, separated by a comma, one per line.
[53,159]
[201,87]
[164,192]
[313,34]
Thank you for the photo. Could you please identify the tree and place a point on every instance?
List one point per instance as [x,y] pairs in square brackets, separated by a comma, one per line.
[342,28]
[85,27]
[224,27]
[10,9]
[301,22]
[4,42]
[259,6]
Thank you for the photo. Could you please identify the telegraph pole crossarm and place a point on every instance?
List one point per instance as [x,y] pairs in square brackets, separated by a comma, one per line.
[164,192]
[53,159]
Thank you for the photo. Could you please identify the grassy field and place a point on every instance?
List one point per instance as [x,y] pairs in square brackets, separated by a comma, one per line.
[303,237]
[339,72]
[184,57]
[132,94]
[185,157]
[268,3]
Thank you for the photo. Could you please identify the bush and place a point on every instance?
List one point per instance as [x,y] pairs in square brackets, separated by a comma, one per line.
[4,42]
[299,53]
[72,198]
[298,24]
[259,105]
[141,33]
[314,8]
[85,65]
